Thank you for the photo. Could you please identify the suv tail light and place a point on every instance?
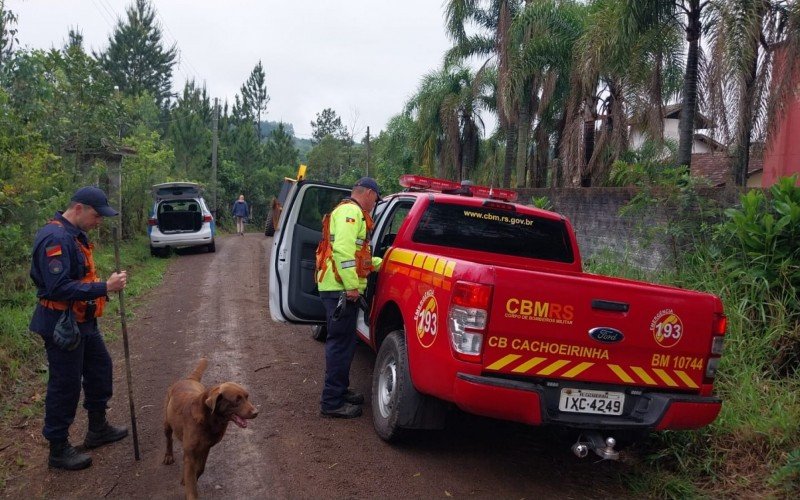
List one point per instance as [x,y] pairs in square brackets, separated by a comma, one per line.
[207,218]
[717,343]
[152,221]
[467,319]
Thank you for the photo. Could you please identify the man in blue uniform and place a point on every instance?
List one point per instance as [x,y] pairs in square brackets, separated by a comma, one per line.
[344,262]
[64,273]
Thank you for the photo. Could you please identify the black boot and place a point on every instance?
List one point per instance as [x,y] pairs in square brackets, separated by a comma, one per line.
[64,456]
[101,432]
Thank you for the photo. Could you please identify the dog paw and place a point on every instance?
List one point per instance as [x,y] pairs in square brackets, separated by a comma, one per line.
[168,460]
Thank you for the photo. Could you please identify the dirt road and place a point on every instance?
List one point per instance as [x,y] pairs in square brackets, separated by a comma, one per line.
[216,305]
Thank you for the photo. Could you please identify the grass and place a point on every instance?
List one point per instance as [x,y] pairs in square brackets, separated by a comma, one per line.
[23,364]
[753,447]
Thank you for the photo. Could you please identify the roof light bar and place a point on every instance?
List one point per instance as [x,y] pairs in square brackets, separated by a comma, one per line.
[441,185]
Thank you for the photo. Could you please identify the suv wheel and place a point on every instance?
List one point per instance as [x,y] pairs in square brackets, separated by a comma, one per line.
[392,390]
[212,247]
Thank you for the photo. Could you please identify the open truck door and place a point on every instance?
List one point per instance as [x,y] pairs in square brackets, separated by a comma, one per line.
[293,293]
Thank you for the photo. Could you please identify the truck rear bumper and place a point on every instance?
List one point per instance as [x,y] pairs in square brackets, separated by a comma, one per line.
[536,404]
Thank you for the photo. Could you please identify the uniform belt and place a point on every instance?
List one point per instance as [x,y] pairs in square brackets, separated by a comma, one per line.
[54,304]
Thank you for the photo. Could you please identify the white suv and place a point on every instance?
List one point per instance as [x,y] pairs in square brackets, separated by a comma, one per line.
[180,218]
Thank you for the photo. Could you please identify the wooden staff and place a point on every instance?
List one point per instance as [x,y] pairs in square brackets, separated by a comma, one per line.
[127,352]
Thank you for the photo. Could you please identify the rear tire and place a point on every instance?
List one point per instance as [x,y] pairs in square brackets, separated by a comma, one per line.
[269,228]
[212,247]
[319,333]
[392,390]
[162,252]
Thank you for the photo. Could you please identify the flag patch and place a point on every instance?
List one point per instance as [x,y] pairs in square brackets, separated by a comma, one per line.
[350,220]
[53,251]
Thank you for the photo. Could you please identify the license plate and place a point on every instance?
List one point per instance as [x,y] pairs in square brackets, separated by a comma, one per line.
[588,401]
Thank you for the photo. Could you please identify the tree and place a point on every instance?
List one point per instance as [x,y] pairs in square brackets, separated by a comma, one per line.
[753,43]
[644,15]
[447,124]
[493,18]
[280,148]
[190,132]
[8,34]
[254,95]
[136,58]
[325,160]
[327,123]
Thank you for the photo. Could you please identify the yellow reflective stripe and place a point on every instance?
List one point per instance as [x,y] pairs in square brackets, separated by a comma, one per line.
[439,269]
[418,260]
[402,256]
[643,375]
[448,270]
[577,370]
[622,374]
[665,377]
[503,361]
[553,367]
[430,263]
[686,379]
[524,367]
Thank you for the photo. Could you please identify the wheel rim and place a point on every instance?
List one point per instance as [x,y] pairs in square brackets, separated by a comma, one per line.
[386,386]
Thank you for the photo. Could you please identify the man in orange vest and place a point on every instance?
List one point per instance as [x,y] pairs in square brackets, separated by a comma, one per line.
[66,280]
[344,260]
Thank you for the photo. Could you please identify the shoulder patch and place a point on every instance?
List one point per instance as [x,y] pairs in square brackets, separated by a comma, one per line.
[53,251]
[55,266]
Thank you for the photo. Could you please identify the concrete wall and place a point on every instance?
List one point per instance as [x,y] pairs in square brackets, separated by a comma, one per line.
[595,216]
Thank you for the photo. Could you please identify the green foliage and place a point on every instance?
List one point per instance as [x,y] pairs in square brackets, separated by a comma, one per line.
[542,202]
[136,58]
[255,97]
[326,124]
[761,237]
[684,213]
[280,149]
[190,133]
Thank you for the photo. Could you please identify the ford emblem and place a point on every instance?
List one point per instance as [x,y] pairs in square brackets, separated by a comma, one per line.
[606,335]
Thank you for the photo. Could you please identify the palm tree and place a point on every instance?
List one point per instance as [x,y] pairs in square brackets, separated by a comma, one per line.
[544,35]
[742,69]
[644,15]
[448,125]
[622,78]
[493,18]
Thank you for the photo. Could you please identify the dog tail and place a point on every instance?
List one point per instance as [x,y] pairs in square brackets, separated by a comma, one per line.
[198,370]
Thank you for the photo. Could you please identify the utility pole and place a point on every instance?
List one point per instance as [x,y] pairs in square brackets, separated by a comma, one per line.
[367,151]
[214,141]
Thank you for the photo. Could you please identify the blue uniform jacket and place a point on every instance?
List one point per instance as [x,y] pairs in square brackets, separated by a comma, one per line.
[240,209]
[58,277]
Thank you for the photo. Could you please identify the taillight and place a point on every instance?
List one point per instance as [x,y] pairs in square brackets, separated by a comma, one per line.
[718,330]
[207,218]
[467,319]
[152,221]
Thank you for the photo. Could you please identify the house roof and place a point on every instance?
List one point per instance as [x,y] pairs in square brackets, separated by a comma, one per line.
[710,142]
[701,121]
[716,167]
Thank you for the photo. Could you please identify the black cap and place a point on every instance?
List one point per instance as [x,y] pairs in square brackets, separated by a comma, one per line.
[369,183]
[95,198]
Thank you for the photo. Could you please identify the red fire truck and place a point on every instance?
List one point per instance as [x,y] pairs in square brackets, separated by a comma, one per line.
[482,303]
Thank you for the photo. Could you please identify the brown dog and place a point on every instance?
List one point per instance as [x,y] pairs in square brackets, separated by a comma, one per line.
[199,417]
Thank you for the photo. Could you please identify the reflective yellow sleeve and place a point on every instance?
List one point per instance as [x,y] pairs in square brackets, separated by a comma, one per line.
[346,226]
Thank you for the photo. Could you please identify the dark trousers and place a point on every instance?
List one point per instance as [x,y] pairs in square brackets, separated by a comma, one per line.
[88,365]
[340,346]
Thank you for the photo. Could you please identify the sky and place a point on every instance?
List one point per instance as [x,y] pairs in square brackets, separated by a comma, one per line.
[362,58]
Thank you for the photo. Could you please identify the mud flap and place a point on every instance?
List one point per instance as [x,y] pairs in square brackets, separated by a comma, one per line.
[422,412]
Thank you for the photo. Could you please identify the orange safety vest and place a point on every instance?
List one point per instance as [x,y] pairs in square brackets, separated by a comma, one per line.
[363,254]
[80,307]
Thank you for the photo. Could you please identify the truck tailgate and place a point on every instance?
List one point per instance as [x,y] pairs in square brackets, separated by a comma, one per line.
[597,329]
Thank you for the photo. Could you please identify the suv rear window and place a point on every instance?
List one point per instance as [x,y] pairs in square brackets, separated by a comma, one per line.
[494,231]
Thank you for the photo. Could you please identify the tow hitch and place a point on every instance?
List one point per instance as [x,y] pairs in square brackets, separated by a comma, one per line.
[604,448]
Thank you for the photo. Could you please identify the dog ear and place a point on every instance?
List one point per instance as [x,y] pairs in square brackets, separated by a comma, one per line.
[213,396]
